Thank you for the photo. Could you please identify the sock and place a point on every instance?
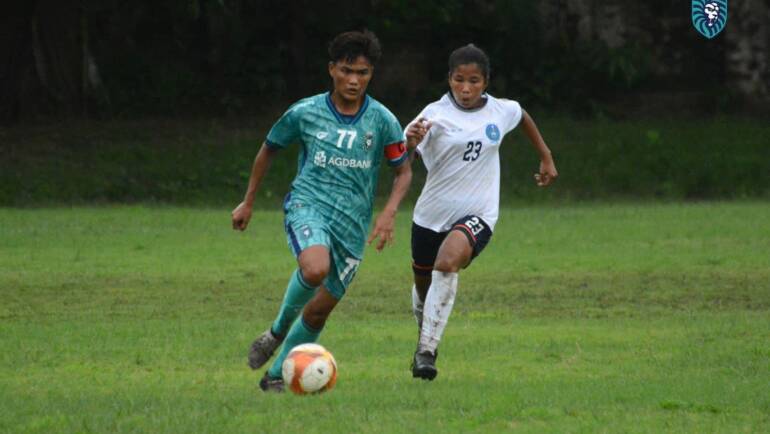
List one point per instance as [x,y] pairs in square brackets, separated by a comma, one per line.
[438,306]
[417,306]
[300,333]
[297,295]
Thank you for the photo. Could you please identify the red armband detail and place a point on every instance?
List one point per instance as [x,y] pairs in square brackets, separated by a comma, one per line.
[394,151]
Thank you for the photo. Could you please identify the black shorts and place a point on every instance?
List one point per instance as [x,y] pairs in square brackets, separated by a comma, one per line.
[425,242]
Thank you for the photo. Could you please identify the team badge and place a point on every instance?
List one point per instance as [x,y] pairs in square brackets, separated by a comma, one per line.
[322,135]
[368,140]
[306,231]
[493,132]
[709,16]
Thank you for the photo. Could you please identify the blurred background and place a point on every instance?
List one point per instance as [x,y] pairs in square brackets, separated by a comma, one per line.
[168,101]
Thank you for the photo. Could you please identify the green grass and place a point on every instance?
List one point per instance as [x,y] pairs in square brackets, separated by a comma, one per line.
[585,318]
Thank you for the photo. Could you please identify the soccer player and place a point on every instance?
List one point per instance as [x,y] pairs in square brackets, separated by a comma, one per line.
[344,136]
[458,139]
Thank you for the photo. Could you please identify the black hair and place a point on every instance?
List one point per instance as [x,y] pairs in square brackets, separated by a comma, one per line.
[349,45]
[469,54]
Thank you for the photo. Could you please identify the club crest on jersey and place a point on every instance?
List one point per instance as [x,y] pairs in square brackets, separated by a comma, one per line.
[322,135]
[305,231]
[493,133]
[709,16]
[368,140]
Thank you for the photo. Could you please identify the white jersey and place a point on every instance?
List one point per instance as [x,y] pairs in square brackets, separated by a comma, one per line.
[461,154]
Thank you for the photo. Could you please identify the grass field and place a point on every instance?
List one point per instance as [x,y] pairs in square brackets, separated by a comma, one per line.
[580,318]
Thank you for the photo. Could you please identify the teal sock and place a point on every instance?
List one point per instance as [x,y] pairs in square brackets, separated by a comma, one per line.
[300,333]
[297,295]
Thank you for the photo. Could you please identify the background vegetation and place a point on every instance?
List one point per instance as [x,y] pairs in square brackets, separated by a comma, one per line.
[207,162]
[168,101]
[106,58]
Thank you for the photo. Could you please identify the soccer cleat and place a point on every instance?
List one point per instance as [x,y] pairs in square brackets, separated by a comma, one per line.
[270,384]
[424,365]
[262,349]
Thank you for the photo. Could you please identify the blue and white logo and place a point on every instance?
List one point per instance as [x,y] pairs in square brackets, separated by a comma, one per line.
[493,132]
[306,231]
[709,16]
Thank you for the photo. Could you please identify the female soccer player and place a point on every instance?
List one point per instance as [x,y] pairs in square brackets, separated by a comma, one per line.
[458,138]
[344,135]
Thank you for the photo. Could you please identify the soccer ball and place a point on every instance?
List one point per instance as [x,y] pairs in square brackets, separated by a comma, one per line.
[309,368]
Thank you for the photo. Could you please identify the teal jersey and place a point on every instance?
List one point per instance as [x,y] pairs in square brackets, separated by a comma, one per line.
[339,161]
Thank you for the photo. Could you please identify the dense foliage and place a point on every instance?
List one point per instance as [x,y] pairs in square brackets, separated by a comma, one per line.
[108,58]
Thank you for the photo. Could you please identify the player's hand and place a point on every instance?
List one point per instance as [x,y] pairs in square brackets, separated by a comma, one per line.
[548,173]
[416,131]
[383,228]
[241,216]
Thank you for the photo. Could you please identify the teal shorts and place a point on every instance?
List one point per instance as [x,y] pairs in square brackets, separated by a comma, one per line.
[306,227]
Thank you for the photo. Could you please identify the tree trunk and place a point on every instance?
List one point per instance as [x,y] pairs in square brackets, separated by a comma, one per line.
[46,67]
[16,62]
[748,48]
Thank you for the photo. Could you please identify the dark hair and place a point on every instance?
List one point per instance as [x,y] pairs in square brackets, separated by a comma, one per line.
[467,55]
[349,45]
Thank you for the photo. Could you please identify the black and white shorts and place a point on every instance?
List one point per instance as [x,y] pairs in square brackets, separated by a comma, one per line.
[425,242]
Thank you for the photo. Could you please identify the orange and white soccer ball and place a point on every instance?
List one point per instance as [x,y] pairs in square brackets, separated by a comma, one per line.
[309,368]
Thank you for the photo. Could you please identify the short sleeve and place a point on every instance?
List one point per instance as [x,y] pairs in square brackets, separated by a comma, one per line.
[286,131]
[393,137]
[512,115]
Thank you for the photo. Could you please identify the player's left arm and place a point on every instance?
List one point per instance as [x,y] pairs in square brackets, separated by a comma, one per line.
[385,222]
[547,174]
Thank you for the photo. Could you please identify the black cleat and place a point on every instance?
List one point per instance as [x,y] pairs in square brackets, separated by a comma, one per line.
[262,349]
[270,384]
[424,365]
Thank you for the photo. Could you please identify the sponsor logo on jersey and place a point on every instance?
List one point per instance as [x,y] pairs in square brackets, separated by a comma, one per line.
[321,160]
[709,16]
[493,132]
[349,162]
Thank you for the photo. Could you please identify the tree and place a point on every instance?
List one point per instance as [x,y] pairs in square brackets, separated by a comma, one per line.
[48,68]
[748,53]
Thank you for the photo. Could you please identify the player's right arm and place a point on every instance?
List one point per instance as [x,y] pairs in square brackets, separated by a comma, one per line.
[283,133]
[242,213]
[416,131]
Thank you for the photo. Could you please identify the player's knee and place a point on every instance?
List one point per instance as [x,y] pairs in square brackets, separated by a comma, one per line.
[447,264]
[314,274]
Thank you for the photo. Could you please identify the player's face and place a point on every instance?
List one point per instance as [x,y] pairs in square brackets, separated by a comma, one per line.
[467,83]
[351,78]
